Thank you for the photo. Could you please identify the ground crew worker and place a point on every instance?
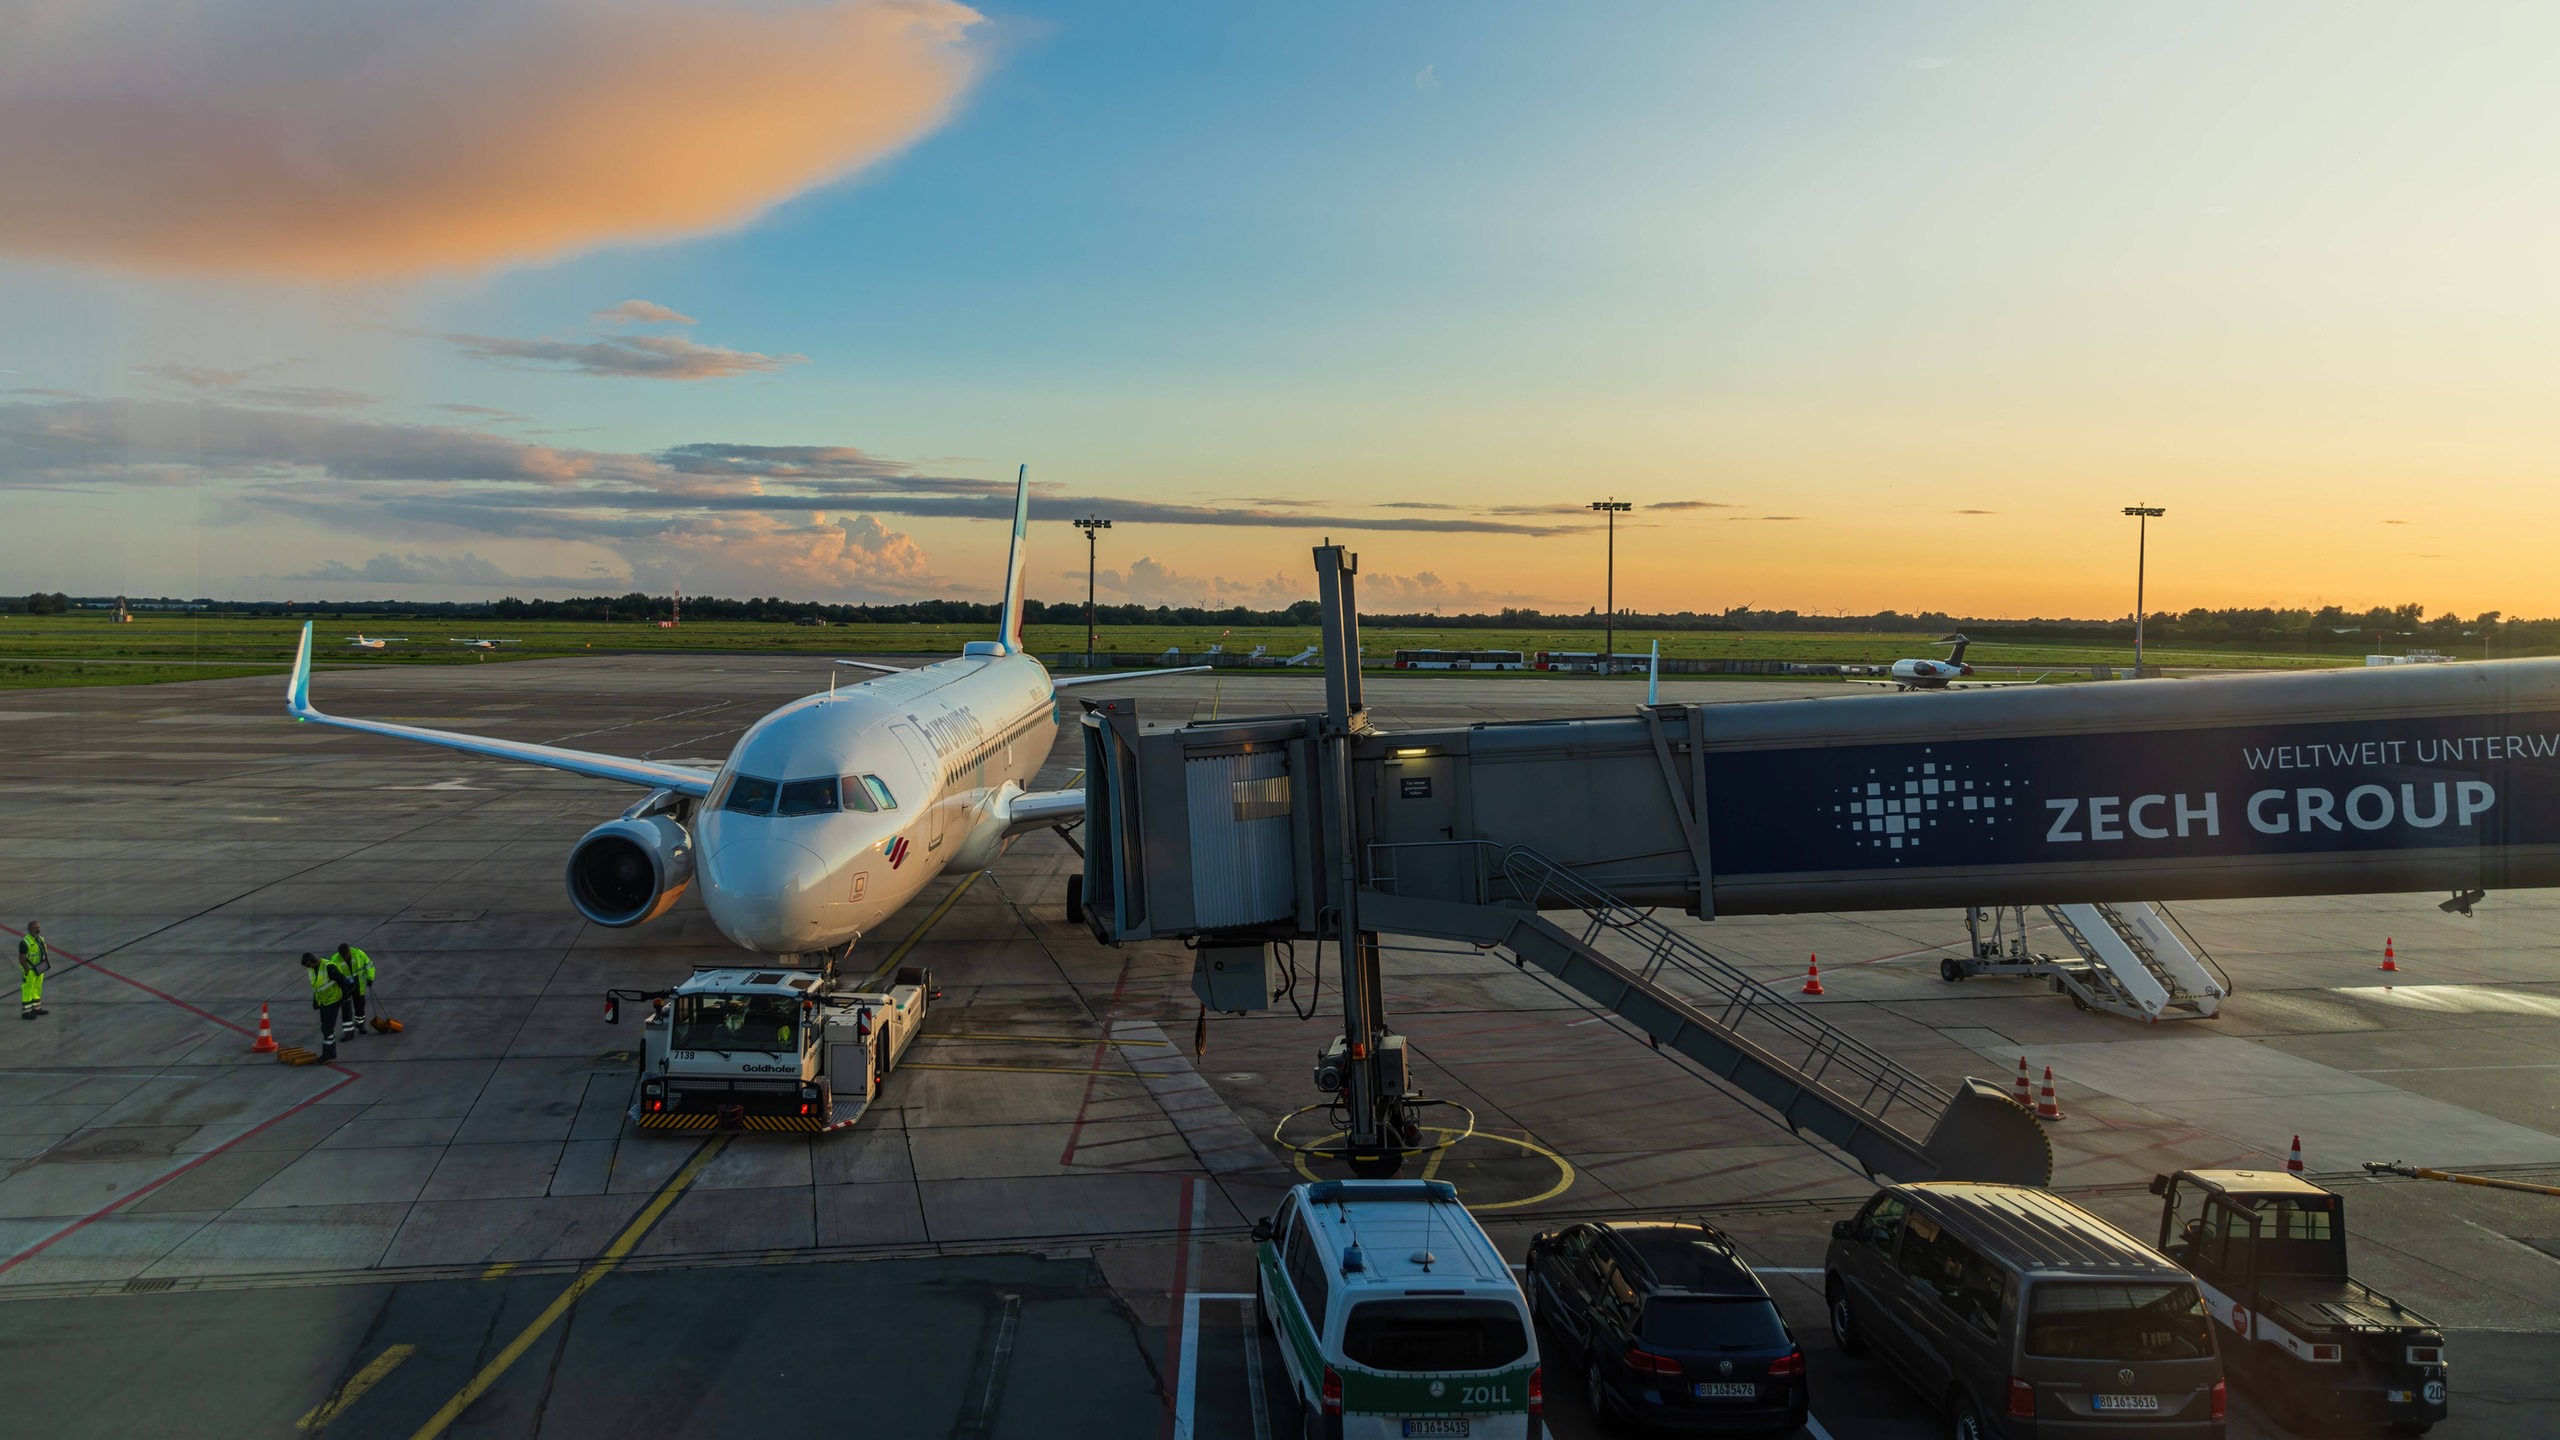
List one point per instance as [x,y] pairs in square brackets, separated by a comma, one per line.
[359,969]
[328,995]
[33,960]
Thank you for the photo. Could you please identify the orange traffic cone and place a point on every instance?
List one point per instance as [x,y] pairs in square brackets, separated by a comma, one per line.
[2048,1108]
[2388,963]
[2293,1162]
[2026,1096]
[266,1041]
[1812,976]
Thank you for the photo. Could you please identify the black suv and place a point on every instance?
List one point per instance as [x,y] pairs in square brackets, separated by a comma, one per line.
[1670,1327]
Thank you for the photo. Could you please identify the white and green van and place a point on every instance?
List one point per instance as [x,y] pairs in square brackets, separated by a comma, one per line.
[1396,1317]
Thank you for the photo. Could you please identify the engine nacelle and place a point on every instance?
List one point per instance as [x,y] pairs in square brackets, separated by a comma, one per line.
[630,871]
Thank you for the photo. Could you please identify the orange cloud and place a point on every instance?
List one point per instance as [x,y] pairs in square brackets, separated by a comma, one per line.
[267,138]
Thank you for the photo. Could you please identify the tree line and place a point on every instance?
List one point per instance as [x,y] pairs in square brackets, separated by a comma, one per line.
[2328,628]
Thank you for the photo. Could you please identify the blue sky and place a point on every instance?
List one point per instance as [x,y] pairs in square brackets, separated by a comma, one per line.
[1900,303]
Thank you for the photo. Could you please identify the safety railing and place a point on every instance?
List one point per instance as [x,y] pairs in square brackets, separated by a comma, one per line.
[1740,1003]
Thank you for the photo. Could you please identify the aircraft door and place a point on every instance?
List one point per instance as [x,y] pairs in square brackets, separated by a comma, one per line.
[930,769]
[1421,822]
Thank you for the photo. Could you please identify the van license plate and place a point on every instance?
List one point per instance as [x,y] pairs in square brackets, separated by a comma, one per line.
[1413,1428]
[2124,1402]
[1724,1390]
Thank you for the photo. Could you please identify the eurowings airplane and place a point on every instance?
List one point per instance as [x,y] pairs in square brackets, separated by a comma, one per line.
[1948,674]
[831,812]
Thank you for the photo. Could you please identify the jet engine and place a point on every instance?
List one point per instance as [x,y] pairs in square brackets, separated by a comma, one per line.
[630,871]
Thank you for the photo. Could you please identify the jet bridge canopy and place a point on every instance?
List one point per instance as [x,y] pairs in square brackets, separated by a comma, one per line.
[1325,827]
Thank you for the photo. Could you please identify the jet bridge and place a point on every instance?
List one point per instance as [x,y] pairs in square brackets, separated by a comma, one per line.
[1325,827]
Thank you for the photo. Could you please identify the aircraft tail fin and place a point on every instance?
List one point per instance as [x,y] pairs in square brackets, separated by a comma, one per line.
[1009,624]
[1955,656]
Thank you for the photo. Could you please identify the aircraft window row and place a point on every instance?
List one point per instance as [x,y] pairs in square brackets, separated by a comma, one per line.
[750,795]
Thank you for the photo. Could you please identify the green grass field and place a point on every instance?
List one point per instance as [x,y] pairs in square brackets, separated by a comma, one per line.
[87,649]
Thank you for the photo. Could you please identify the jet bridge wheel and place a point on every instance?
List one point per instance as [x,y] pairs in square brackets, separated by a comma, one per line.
[1075,899]
[1951,969]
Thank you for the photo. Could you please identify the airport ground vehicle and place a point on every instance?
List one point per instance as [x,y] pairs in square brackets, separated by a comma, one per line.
[2021,1314]
[1395,1315]
[2311,1344]
[744,1048]
[1671,1327]
[1461,660]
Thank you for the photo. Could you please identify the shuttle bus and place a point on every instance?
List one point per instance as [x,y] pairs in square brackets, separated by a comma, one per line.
[1461,660]
[1588,661]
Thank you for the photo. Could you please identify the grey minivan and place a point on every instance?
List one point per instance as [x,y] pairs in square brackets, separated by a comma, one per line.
[2019,1314]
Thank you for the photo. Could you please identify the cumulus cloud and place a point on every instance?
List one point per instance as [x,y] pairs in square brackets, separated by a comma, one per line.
[1426,590]
[646,357]
[271,138]
[452,570]
[1150,581]
[642,312]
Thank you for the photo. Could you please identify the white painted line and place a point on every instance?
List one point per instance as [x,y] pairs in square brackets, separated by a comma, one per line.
[2510,1239]
[1784,1270]
[1253,1368]
[1190,1373]
[1814,1428]
[1186,1373]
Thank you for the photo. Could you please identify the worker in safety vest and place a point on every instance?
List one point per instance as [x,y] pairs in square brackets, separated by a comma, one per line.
[358,967]
[328,996]
[33,961]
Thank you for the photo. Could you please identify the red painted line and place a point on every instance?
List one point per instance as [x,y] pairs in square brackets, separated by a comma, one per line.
[103,1211]
[1173,1313]
[1101,1048]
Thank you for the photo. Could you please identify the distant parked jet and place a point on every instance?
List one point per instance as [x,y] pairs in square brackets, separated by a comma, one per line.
[1948,674]
[478,643]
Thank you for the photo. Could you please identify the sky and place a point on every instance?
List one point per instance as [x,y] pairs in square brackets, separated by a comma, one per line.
[1860,305]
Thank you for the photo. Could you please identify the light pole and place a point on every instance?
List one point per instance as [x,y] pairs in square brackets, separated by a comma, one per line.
[2142,518]
[1609,626]
[1089,525]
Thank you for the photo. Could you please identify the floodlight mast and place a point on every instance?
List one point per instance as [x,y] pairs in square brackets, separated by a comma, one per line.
[2143,516]
[1089,525]
[1609,625]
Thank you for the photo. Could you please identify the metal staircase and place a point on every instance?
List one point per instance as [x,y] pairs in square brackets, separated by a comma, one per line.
[1817,1077]
[2131,962]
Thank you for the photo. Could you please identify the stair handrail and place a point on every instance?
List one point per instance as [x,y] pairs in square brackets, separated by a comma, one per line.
[1534,877]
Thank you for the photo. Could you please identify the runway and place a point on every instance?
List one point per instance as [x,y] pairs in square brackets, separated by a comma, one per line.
[1045,1216]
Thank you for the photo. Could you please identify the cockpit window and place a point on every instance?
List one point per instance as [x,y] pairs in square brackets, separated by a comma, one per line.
[751,796]
[856,797]
[808,797]
[880,792]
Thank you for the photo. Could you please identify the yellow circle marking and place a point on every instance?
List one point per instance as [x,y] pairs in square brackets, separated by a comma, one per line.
[1564,1167]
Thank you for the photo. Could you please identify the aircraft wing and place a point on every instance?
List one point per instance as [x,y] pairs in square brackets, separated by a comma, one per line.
[1056,683]
[1988,684]
[867,665]
[1030,810]
[682,779]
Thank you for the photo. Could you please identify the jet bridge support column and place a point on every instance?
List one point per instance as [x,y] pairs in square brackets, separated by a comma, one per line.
[1380,1125]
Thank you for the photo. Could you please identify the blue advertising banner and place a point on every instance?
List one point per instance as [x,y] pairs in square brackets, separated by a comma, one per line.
[2455,783]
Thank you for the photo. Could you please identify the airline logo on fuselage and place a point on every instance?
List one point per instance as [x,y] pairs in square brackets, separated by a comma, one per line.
[896,849]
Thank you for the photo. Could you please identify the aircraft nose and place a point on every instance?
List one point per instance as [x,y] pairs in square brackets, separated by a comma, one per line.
[765,893]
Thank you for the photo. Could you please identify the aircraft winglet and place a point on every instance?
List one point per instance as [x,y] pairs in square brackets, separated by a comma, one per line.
[1653,677]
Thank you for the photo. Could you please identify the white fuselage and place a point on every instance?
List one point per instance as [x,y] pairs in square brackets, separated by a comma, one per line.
[1928,674]
[946,741]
